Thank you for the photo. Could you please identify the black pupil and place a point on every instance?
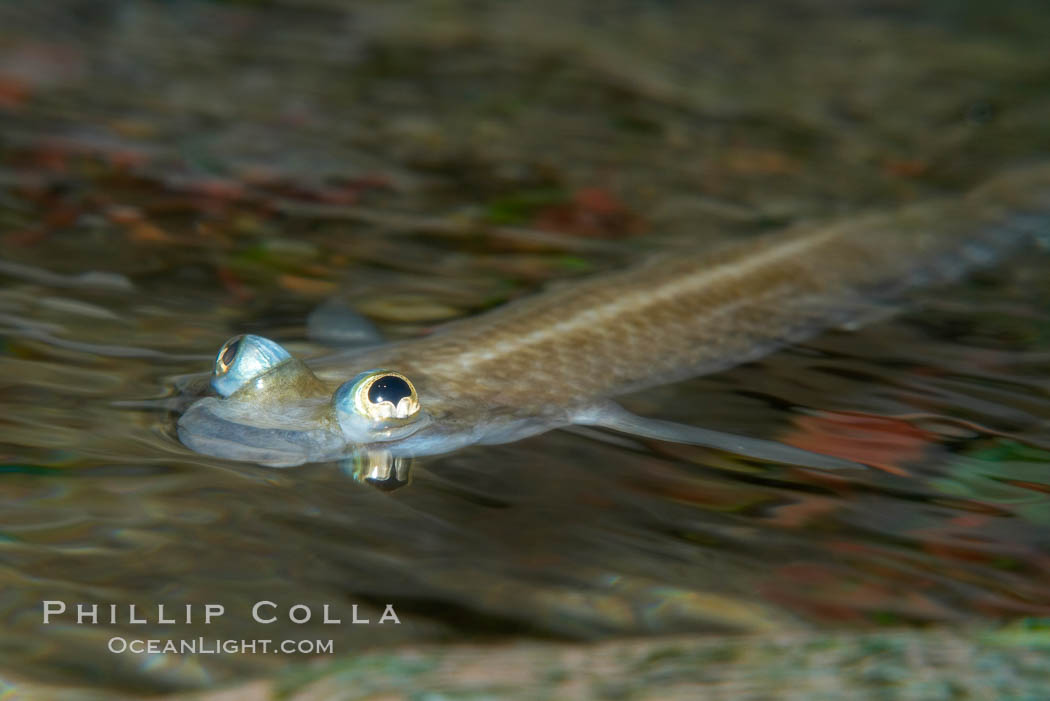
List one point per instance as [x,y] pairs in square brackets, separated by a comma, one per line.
[230,353]
[388,389]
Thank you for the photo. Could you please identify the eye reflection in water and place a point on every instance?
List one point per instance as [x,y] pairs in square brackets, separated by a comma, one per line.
[379,468]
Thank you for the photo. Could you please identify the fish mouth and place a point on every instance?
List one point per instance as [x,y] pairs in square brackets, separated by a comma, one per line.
[208,427]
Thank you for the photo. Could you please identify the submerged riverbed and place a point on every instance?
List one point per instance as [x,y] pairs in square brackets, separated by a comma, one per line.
[174,174]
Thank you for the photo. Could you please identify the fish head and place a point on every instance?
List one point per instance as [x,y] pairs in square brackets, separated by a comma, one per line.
[270,408]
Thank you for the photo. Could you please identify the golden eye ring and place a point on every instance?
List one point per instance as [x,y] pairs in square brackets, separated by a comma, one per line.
[383,394]
[228,354]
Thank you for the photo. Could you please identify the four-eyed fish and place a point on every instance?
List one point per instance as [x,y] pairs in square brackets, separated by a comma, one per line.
[557,359]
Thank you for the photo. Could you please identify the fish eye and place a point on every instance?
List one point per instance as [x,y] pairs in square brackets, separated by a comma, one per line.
[389,388]
[224,361]
[242,359]
[378,395]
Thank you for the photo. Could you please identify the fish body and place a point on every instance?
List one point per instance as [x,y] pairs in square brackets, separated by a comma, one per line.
[550,360]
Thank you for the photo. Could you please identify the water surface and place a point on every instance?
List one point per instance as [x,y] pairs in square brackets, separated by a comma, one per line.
[175,174]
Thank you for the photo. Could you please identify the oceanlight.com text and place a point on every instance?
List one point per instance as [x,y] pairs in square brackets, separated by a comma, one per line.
[216,646]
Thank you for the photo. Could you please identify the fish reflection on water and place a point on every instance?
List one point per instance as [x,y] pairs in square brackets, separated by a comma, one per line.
[558,359]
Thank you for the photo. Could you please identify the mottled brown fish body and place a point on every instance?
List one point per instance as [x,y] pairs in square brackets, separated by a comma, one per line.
[683,315]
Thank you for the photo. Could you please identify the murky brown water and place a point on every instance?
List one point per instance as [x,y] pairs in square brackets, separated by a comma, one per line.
[173,174]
